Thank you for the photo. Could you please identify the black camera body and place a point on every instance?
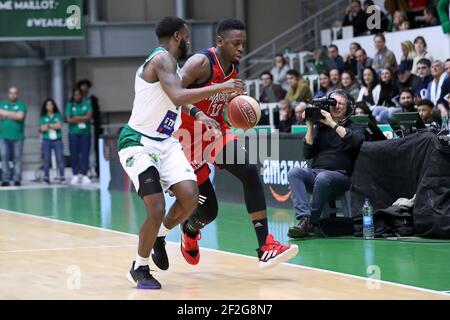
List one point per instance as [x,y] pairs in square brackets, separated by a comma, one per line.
[323,103]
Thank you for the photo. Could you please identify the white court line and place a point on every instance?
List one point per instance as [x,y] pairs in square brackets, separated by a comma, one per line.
[66,248]
[373,281]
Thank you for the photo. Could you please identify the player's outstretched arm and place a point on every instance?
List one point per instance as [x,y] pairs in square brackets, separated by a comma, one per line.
[165,68]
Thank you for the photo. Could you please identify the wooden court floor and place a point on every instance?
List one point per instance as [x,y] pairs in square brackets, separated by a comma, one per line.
[49,259]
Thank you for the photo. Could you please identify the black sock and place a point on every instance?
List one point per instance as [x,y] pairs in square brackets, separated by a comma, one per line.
[262,230]
[189,229]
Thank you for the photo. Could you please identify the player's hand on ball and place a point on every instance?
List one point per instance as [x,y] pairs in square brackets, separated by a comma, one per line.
[233,95]
[234,85]
[210,123]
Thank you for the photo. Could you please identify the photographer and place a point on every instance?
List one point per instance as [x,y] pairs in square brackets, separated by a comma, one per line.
[333,144]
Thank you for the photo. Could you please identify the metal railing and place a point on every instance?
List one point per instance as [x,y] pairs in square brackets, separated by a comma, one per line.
[304,36]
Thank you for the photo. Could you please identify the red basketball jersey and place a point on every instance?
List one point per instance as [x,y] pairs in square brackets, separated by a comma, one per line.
[212,106]
[195,147]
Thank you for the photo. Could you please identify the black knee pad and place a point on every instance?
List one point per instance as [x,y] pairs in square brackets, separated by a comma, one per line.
[149,182]
[207,208]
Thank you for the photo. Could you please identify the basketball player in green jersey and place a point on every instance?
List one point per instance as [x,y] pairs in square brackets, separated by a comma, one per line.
[151,157]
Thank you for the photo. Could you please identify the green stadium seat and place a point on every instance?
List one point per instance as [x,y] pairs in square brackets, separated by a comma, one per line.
[299,129]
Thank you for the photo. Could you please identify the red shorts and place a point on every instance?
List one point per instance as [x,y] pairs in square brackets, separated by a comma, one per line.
[201,149]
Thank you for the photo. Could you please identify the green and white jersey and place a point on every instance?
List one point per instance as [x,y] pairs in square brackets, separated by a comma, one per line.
[154,114]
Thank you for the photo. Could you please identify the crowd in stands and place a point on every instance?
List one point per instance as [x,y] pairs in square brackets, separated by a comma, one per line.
[382,85]
[79,112]
[401,15]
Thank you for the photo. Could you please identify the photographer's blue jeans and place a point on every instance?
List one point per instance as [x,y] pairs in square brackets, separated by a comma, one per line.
[79,145]
[57,146]
[11,150]
[324,185]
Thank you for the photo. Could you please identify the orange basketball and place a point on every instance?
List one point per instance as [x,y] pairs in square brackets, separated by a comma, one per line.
[243,112]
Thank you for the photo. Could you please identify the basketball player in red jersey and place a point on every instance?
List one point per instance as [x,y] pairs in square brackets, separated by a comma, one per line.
[217,65]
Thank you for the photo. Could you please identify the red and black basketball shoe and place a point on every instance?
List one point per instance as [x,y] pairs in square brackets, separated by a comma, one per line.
[273,253]
[189,247]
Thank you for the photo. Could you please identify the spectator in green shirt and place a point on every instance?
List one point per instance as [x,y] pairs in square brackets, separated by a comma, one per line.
[50,127]
[78,115]
[12,118]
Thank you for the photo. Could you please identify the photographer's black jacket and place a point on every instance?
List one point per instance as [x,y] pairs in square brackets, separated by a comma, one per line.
[330,151]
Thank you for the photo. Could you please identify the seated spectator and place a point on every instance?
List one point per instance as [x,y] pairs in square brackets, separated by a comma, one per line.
[415,9]
[78,115]
[398,19]
[270,92]
[435,86]
[405,77]
[362,62]
[12,135]
[369,92]
[444,99]
[384,58]
[335,61]
[349,84]
[394,5]
[286,118]
[279,71]
[443,10]
[320,61]
[406,105]
[355,16]
[333,148]
[300,113]
[425,77]
[50,127]
[335,78]
[325,85]
[298,88]
[420,45]
[361,109]
[408,52]
[430,16]
[405,26]
[388,88]
[350,58]
[407,101]
[429,116]
[384,23]
[385,107]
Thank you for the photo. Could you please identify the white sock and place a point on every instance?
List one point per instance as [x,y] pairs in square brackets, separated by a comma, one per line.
[140,261]
[163,231]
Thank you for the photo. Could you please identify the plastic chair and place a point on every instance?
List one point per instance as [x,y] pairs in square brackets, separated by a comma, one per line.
[344,207]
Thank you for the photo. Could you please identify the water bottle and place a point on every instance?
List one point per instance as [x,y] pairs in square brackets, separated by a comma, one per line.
[368,227]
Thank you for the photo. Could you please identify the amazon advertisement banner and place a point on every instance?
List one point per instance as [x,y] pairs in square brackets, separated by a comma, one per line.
[273,174]
[41,19]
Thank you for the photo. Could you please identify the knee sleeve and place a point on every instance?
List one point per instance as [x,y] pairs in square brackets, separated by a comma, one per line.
[149,182]
[207,208]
